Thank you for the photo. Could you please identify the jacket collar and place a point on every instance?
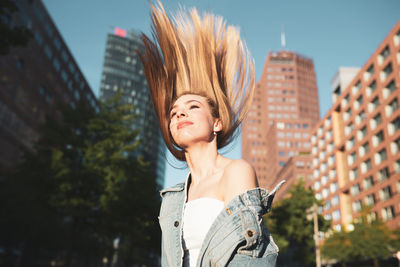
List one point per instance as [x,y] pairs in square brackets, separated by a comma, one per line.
[250,197]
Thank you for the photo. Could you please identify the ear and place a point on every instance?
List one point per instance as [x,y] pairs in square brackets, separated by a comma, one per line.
[217,125]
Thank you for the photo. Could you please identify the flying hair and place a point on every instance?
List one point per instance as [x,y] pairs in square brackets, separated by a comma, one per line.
[201,55]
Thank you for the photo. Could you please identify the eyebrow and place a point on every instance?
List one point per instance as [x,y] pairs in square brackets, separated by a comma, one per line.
[187,102]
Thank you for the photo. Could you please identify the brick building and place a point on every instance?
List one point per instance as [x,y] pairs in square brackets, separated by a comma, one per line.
[278,125]
[355,147]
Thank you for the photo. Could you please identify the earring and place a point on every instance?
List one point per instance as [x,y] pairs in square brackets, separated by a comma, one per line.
[215,133]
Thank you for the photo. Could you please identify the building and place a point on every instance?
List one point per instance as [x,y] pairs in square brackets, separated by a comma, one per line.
[285,109]
[123,71]
[355,147]
[33,79]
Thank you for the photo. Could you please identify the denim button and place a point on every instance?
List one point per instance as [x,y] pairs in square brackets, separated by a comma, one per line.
[176,223]
[250,233]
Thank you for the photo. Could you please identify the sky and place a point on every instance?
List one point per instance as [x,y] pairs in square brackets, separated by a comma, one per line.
[332,33]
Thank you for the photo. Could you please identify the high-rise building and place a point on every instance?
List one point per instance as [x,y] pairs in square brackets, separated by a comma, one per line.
[355,147]
[123,71]
[278,125]
[33,79]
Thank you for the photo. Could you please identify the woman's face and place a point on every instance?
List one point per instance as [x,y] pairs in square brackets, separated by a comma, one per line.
[191,121]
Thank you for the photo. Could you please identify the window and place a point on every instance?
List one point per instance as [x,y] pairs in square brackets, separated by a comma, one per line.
[366,166]
[57,43]
[383,174]
[387,213]
[350,143]
[353,174]
[378,138]
[388,90]
[333,187]
[386,71]
[370,200]
[396,166]
[395,146]
[356,205]
[347,114]
[349,129]
[325,192]
[38,37]
[383,55]
[317,185]
[375,121]
[327,205]
[336,215]
[392,107]
[371,88]
[380,156]
[370,71]
[373,105]
[335,201]
[64,76]
[324,179]
[332,174]
[394,125]
[56,64]
[345,101]
[368,182]
[385,193]
[355,189]
[49,30]
[351,158]
[362,133]
[356,87]
[363,149]
[358,102]
[48,52]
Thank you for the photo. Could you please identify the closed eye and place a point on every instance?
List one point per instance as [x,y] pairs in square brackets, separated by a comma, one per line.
[194,106]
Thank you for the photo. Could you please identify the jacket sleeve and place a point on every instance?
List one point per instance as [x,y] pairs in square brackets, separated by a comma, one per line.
[259,248]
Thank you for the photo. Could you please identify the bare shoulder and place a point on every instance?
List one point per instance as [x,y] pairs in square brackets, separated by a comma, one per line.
[239,176]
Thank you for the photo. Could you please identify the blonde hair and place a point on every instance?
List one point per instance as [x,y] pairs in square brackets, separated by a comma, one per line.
[202,56]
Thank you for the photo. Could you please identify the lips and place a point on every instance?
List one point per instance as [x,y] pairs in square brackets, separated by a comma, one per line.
[184,124]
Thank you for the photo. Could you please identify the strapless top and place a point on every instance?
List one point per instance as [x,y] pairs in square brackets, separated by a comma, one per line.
[198,216]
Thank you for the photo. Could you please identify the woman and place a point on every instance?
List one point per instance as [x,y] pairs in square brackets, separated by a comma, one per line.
[201,80]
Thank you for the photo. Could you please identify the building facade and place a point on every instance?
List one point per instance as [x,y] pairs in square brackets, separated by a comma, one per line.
[123,71]
[278,125]
[33,79]
[355,147]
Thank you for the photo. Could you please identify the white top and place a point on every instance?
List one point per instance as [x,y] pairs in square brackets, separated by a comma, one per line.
[199,215]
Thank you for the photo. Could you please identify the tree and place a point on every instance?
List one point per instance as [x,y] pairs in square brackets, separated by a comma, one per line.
[290,228]
[112,155]
[83,186]
[369,240]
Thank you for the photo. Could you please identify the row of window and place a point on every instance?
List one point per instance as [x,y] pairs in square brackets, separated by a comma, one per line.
[370,200]
[290,144]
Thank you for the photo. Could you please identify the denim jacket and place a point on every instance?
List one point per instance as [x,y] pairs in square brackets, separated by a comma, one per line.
[238,236]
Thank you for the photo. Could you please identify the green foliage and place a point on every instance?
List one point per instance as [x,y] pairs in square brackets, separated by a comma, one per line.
[83,186]
[367,241]
[291,229]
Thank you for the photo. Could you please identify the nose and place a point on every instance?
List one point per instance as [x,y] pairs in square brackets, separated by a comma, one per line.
[181,113]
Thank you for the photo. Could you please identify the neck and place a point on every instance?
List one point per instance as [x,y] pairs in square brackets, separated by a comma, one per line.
[202,160]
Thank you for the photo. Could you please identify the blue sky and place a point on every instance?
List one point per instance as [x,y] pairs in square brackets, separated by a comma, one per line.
[332,33]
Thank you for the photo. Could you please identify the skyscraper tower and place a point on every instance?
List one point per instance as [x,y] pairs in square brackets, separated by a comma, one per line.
[123,71]
[278,125]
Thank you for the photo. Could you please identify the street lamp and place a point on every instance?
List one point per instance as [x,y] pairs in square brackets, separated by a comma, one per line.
[312,214]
